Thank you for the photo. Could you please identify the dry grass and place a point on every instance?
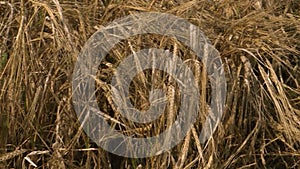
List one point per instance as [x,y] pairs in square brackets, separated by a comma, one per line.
[259,42]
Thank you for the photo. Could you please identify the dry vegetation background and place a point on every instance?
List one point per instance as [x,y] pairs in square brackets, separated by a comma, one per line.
[259,42]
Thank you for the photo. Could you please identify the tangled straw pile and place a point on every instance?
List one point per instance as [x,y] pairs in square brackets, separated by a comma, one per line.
[258,40]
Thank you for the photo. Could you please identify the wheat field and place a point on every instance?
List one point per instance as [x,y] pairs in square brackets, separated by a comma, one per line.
[258,42]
